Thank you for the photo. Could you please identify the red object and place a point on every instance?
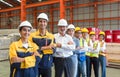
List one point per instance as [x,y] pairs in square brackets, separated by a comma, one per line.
[116,36]
[96,30]
[108,36]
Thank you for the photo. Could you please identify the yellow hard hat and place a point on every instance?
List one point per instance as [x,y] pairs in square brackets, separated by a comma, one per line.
[85,30]
[102,33]
[77,29]
[92,33]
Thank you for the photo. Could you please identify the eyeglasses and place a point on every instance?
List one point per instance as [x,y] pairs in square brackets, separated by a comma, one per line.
[78,32]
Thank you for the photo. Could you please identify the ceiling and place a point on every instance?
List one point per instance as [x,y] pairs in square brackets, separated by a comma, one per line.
[16,3]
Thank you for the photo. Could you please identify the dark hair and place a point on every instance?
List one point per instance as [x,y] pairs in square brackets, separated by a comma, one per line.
[22,27]
[102,35]
[40,18]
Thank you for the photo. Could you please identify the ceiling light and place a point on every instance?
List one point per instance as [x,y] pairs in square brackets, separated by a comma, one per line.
[19,0]
[39,0]
[6,3]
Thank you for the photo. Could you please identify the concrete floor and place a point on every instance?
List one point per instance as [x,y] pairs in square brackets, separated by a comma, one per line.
[4,70]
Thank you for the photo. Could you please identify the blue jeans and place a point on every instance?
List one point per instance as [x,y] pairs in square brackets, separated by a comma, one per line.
[102,60]
[65,65]
[75,65]
[81,68]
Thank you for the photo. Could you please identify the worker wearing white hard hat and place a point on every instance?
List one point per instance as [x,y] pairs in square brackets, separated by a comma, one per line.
[45,41]
[23,53]
[25,23]
[63,55]
[71,31]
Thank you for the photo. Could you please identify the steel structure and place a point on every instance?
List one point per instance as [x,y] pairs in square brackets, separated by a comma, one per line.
[56,9]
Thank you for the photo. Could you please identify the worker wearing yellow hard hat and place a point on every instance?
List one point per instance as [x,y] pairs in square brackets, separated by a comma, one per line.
[81,53]
[102,53]
[85,36]
[78,33]
[94,47]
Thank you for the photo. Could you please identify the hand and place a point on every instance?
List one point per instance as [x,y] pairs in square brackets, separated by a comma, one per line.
[36,53]
[53,45]
[46,47]
[58,45]
[70,43]
[17,59]
[81,47]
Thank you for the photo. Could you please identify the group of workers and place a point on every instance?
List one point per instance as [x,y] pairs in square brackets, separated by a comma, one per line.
[72,50]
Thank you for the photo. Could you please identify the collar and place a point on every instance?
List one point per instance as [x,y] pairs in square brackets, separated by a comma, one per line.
[38,33]
[21,44]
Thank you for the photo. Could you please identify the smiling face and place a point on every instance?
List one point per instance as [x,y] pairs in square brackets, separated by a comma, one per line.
[71,32]
[78,34]
[85,35]
[92,37]
[42,24]
[101,37]
[25,32]
[62,29]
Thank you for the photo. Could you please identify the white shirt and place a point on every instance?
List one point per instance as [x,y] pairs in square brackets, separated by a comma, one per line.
[103,47]
[25,45]
[66,49]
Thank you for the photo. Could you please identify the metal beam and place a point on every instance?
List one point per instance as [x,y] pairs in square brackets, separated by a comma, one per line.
[62,9]
[32,5]
[23,10]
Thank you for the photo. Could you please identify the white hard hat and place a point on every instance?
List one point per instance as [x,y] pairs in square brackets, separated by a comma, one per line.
[62,22]
[43,16]
[25,23]
[71,26]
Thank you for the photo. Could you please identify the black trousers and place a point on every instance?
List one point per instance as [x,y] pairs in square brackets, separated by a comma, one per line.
[44,72]
[63,65]
[95,62]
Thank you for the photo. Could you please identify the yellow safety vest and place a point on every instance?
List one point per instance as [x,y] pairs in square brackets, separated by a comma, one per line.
[88,53]
[95,44]
[81,42]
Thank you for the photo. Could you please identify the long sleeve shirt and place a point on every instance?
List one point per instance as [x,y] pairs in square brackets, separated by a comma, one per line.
[66,48]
